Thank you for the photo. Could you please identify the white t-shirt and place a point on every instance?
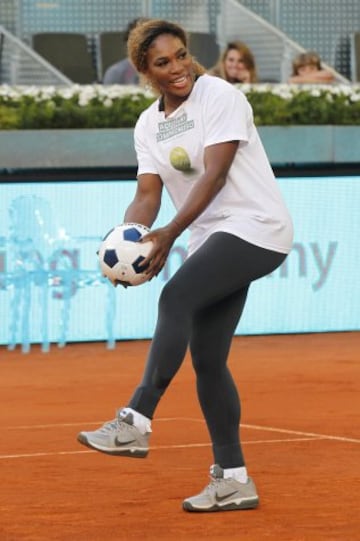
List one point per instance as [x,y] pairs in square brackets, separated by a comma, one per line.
[250,204]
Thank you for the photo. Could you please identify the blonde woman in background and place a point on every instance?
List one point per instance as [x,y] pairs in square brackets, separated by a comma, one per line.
[307,69]
[236,64]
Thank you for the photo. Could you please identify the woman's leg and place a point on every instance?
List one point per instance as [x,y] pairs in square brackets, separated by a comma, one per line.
[210,343]
[224,265]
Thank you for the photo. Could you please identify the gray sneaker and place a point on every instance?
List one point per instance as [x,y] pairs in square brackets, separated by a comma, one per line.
[117,437]
[223,494]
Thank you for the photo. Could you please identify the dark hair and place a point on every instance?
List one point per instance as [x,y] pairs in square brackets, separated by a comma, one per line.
[141,39]
[132,25]
[143,35]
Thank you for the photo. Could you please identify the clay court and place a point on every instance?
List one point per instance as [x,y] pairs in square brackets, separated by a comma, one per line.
[300,429]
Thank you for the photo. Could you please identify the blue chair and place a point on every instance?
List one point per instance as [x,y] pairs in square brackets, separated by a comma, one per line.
[43,260]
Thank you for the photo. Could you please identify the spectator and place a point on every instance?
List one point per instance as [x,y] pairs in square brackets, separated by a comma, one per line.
[236,64]
[307,69]
[123,72]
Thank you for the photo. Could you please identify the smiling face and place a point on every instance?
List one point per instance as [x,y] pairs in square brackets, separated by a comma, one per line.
[235,66]
[170,68]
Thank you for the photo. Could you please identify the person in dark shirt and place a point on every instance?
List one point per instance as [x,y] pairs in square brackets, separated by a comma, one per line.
[123,72]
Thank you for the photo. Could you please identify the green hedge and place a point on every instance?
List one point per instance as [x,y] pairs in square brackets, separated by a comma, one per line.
[98,106]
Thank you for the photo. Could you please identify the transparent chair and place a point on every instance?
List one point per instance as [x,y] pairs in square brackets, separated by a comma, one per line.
[42,266]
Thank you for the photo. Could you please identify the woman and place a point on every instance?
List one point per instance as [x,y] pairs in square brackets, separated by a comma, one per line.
[307,69]
[199,141]
[236,64]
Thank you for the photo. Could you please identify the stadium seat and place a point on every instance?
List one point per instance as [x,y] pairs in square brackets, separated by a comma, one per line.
[111,48]
[69,53]
[204,47]
[355,56]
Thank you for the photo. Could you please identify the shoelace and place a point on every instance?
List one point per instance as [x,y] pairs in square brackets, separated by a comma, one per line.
[115,424]
[214,482]
[109,426]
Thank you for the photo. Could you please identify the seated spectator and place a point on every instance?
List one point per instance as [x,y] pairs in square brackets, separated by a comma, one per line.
[236,64]
[307,69]
[123,72]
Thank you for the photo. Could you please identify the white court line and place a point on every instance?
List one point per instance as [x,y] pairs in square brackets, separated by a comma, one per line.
[251,442]
[296,432]
[153,448]
[54,453]
[193,420]
[95,423]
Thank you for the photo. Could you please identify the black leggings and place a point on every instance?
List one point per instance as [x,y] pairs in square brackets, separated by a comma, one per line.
[200,307]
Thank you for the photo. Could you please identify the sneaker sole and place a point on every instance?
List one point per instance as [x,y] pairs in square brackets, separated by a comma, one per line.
[249,503]
[133,452]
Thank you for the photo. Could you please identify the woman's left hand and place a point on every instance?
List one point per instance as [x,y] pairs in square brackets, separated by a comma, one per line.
[244,75]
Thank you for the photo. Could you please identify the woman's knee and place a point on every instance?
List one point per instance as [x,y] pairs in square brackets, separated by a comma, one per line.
[172,299]
[204,362]
[167,297]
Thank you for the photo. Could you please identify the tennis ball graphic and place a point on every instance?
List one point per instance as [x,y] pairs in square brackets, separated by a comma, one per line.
[179,159]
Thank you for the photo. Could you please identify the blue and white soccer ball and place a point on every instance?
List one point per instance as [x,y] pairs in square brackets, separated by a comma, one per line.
[120,254]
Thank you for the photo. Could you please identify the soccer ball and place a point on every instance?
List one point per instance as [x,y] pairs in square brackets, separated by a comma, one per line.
[120,254]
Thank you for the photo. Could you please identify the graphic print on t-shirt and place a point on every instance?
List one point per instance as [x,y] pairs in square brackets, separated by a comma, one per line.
[174,126]
[180,160]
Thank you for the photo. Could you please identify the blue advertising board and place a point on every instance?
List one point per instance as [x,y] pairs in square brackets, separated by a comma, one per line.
[51,289]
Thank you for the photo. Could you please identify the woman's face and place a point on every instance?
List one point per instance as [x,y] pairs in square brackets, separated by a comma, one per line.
[307,69]
[169,66]
[234,65]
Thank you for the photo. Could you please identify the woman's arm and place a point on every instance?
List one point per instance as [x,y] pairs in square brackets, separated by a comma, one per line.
[146,204]
[217,159]
[319,76]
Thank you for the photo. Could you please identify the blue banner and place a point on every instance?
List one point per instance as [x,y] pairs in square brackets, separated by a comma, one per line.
[51,289]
